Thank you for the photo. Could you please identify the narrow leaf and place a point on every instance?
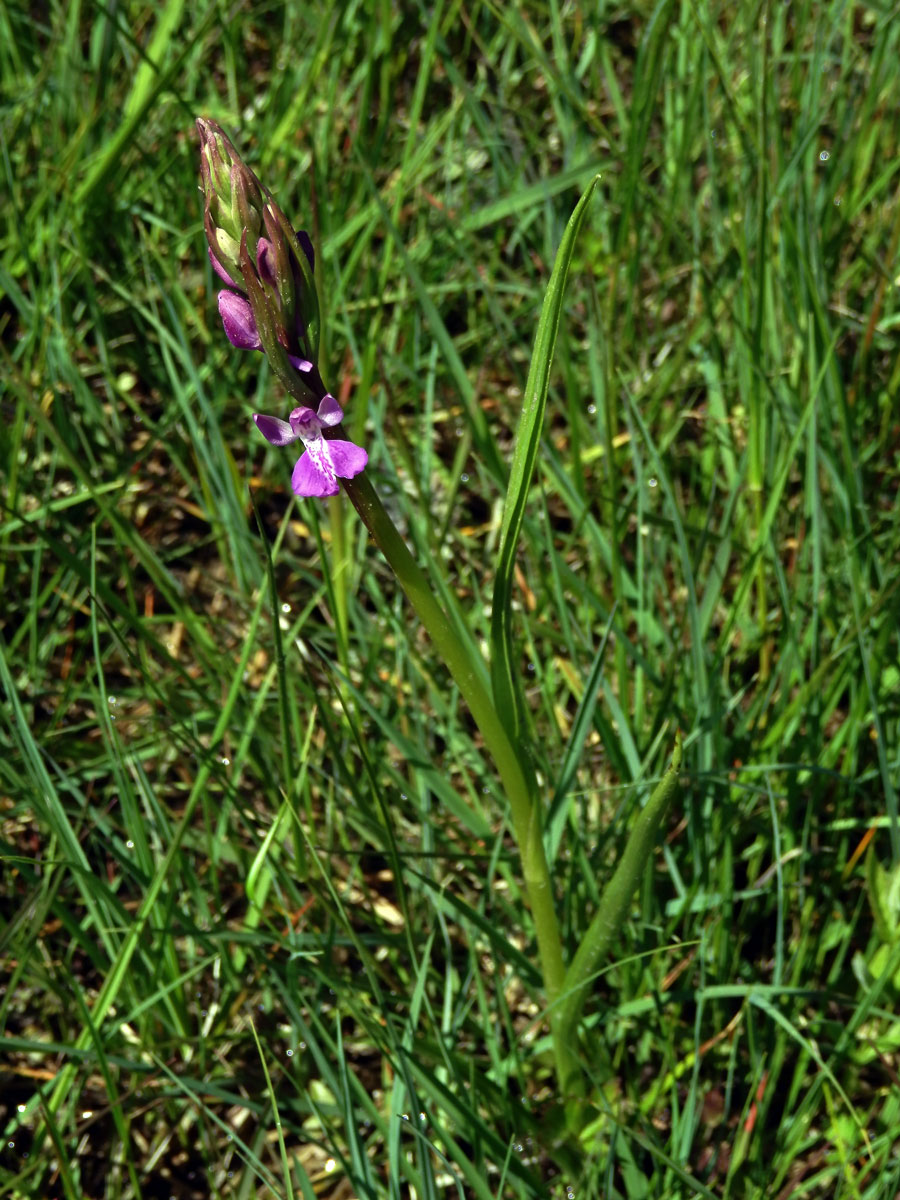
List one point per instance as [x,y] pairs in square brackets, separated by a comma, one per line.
[508,695]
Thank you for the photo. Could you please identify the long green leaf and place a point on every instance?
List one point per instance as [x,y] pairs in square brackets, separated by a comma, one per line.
[508,695]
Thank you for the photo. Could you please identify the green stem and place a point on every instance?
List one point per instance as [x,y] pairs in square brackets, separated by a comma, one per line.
[340,574]
[526,816]
[611,912]
[762,607]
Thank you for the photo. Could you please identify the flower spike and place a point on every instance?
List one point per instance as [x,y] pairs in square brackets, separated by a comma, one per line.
[269,303]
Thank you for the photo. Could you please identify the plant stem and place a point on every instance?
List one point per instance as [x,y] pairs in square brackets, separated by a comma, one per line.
[467,673]
[611,913]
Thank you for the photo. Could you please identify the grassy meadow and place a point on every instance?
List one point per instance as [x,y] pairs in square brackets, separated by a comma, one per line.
[262,923]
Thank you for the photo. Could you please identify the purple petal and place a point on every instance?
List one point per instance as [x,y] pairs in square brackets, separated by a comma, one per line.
[265,260]
[302,364]
[306,246]
[347,458]
[220,270]
[304,422]
[312,476]
[330,412]
[274,430]
[237,317]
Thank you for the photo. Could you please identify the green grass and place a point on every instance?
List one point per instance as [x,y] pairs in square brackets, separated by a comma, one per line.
[262,923]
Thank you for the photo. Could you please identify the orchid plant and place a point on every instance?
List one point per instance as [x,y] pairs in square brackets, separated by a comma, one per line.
[269,303]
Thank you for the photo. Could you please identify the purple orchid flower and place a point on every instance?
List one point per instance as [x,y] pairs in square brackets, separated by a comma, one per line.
[325,460]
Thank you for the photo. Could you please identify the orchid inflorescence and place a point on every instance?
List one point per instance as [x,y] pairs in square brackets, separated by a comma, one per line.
[270,304]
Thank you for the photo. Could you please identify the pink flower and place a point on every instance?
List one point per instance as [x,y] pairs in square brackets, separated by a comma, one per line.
[324,460]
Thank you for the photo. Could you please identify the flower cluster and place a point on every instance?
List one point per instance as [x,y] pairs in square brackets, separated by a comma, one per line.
[270,304]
